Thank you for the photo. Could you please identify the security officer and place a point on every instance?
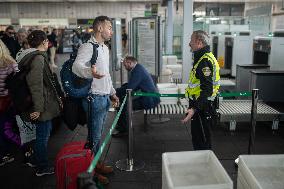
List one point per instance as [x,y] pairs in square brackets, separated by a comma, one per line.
[201,91]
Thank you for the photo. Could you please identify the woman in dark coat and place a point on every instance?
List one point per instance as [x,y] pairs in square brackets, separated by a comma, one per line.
[46,102]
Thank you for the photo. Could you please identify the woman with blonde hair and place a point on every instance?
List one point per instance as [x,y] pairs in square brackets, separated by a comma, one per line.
[6,60]
[7,66]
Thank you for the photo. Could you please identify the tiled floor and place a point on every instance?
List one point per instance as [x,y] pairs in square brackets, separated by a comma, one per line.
[168,137]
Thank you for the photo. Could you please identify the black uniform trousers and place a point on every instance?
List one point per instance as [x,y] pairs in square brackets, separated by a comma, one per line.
[201,123]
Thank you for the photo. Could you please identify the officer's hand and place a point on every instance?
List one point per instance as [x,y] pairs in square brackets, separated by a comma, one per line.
[189,114]
[95,73]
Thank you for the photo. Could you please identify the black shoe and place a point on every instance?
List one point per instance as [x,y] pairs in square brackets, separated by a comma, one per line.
[6,159]
[117,133]
[46,171]
[30,163]
[29,160]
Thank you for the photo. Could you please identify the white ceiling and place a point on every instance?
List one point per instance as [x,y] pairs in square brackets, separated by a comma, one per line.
[138,1]
[17,1]
[253,1]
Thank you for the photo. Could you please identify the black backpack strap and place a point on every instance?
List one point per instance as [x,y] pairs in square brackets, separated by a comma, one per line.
[95,53]
[25,64]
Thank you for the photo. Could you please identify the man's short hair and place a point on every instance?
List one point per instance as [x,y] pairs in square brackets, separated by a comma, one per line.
[9,28]
[202,36]
[99,20]
[131,59]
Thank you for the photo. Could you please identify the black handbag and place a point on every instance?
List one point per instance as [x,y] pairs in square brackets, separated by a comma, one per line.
[73,113]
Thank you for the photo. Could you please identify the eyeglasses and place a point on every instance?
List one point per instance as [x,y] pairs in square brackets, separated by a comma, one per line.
[11,33]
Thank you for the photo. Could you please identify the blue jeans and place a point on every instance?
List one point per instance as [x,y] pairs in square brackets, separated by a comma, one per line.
[100,107]
[43,129]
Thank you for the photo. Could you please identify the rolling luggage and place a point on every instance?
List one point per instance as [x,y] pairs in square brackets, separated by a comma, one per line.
[72,159]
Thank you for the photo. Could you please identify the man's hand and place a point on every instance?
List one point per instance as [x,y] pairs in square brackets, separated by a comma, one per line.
[95,73]
[189,114]
[34,115]
[115,101]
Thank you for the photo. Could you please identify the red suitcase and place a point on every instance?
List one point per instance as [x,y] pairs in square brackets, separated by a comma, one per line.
[70,161]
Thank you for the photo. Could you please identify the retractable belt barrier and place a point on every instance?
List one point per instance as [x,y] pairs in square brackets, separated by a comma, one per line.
[85,178]
[235,94]
[253,94]
[107,138]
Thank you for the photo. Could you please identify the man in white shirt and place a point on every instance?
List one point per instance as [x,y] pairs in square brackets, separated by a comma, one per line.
[101,90]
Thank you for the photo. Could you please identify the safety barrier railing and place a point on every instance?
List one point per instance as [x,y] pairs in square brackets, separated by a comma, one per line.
[253,94]
[234,94]
[129,164]
[86,179]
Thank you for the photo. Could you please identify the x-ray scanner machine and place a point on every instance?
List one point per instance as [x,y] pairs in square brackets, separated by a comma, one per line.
[238,50]
[269,51]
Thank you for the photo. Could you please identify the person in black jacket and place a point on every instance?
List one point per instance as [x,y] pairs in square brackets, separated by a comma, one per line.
[9,40]
[52,47]
[202,90]
[139,80]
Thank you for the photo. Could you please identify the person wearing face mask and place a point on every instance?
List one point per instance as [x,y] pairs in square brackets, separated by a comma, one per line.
[102,91]
[10,41]
[202,90]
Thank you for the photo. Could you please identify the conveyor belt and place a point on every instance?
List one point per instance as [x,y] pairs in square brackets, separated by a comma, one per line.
[232,111]
[240,111]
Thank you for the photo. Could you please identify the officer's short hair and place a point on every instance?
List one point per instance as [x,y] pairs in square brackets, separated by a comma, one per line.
[202,36]
[99,20]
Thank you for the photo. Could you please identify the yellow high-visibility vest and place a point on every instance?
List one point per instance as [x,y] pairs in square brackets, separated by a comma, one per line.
[193,89]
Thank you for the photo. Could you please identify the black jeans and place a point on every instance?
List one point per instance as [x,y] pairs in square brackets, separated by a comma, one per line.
[200,130]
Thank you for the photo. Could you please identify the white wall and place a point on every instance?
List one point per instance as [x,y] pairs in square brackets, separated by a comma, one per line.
[273,20]
[277,17]
[252,5]
[82,10]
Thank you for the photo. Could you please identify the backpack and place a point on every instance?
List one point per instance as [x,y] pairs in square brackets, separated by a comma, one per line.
[73,85]
[17,85]
[76,89]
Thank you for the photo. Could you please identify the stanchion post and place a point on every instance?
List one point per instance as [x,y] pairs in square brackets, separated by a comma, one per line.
[121,73]
[130,127]
[129,164]
[255,93]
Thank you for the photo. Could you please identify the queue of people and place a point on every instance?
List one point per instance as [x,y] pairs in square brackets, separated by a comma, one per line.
[46,104]
[17,41]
